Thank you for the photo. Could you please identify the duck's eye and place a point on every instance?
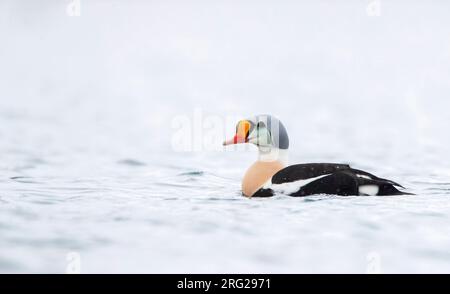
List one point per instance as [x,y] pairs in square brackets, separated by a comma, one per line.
[260,127]
[262,134]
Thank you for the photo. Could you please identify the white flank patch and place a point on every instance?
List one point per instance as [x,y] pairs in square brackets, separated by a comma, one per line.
[368,190]
[364,177]
[291,187]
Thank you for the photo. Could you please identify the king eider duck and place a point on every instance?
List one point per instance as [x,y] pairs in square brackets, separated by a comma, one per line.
[270,175]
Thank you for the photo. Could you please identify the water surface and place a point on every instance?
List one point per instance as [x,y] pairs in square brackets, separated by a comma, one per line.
[89,166]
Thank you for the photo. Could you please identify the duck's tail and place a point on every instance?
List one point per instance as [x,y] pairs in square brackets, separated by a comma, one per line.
[389,189]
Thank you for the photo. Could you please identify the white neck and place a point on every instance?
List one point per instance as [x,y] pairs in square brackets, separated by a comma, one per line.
[268,154]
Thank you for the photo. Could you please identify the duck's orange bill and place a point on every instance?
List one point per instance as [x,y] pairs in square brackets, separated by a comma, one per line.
[235,140]
[242,130]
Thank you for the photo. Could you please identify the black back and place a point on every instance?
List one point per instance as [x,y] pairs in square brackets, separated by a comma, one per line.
[339,179]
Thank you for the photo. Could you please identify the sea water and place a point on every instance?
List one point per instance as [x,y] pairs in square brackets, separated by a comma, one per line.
[94,177]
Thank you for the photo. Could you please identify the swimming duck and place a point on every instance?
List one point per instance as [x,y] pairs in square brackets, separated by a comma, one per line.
[271,175]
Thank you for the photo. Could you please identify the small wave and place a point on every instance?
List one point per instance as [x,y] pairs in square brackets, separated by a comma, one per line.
[7,265]
[174,185]
[131,162]
[431,183]
[309,199]
[25,180]
[226,199]
[192,173]
[438,189]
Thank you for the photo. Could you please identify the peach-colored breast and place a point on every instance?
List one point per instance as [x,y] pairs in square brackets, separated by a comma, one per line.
[258,174]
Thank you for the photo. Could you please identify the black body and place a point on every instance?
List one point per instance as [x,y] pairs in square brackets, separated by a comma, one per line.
[339,179]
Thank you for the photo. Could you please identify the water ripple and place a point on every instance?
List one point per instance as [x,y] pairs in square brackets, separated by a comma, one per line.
[131,162]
